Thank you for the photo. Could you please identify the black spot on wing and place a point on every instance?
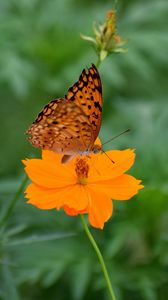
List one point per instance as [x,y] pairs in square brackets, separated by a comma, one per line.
[96,116]
[97,105]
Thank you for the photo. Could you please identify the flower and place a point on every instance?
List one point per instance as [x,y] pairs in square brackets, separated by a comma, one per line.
[83,185]
[106,40]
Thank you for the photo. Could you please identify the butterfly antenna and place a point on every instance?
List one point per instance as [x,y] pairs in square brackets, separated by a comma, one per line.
[108,156]
[116,136]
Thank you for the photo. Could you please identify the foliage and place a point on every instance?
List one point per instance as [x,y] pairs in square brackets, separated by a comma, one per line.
[45,254]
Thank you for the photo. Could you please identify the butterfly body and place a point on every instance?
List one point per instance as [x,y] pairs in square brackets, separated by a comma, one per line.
[71,125]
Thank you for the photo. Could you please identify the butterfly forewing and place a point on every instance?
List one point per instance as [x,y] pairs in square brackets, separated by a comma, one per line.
[71,125]
[87,93]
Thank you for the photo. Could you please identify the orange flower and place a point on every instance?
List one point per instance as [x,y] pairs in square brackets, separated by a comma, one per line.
[83,185]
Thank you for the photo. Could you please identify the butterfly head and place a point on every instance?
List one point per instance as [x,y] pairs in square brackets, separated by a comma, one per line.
[96,149]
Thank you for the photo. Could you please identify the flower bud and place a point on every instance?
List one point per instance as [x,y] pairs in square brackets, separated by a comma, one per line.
[106,40]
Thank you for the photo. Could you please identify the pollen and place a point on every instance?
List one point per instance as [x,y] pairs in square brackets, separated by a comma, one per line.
[82,170]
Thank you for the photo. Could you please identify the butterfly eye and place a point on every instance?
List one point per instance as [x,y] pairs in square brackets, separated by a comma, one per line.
[97,149]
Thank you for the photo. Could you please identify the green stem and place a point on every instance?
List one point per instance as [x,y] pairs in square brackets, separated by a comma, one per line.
[100,257]
[98,61]
[11,205]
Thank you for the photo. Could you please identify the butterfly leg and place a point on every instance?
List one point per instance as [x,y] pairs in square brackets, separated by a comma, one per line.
[66,158]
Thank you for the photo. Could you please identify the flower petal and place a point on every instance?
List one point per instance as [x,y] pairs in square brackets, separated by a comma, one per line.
[46,198]
[49,172]
[72,212]
[100,207]
[103,168]
[121,188]
[73,196]
[78,199]
[98,142]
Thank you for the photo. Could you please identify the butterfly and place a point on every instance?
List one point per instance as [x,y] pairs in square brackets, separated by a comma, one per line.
[70,125]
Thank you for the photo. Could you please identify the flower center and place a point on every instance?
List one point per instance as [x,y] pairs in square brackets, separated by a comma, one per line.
[82,169]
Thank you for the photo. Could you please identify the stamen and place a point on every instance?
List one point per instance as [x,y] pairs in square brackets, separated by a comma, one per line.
[82,169]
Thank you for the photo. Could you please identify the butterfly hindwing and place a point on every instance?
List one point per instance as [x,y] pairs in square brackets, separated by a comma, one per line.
[65,130]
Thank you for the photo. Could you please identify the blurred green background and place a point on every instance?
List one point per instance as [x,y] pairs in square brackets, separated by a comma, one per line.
[45,254]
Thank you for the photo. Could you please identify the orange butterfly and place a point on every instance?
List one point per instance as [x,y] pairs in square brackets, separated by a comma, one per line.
[71,125]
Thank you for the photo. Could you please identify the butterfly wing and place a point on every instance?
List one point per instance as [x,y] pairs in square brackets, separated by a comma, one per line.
[71,125]
[87,94]
[61,127]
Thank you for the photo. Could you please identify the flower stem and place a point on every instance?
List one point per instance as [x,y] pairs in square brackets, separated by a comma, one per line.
[100,257]
[11,205]
[98,61]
